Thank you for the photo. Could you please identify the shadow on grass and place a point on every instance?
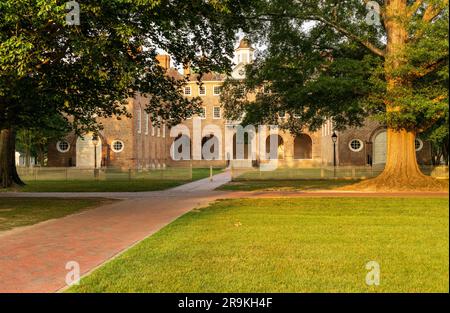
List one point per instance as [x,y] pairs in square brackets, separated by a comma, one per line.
[287,185]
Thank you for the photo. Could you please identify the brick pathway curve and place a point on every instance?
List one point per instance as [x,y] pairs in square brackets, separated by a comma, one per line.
[33,259]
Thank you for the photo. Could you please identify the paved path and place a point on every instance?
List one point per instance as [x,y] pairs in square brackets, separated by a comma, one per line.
[33,259]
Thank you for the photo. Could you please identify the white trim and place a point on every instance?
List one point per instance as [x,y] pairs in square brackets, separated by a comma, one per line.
[353,149]
[420,144]
[190,91]
[146,122]
[117,150]
[204,110]
[204,88]
[139,121]
[59,148]
[214,92]
[214,113]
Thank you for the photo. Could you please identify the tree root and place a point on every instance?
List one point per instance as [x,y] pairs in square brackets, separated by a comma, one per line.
[392,182]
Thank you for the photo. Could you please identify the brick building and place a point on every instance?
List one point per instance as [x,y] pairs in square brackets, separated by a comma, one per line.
[135,143]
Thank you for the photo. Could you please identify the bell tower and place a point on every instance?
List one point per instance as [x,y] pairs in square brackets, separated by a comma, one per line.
[244,52]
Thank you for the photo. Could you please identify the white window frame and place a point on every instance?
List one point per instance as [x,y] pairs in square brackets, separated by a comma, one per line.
[62,150]
[353,149]
[214,90]
[214,113]
[199,90]
[139,121]
[204,116]
[241,91]
[117,150]
[187,93]
[420,144]
[146,122]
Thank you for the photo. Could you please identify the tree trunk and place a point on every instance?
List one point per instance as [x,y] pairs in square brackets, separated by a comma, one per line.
[40,154]
[401,171]
[8,171]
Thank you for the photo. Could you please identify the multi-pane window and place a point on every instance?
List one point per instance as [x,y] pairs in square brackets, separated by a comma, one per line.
[202,113]
[63,146]
[241,91]
[139,121]
[187,91]
[217,90]
[356,145]
[202,90]
[146,122]
[418,144]
[216,113]
[117,146]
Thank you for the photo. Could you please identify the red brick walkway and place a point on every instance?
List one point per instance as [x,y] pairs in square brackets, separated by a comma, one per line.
[33,259]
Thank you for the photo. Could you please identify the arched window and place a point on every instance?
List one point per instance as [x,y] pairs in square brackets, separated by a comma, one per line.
[356,145]
[62,146]
[418,143]
[302,147]
[117,146]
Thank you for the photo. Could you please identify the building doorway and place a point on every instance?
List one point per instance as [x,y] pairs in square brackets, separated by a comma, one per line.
[302,147]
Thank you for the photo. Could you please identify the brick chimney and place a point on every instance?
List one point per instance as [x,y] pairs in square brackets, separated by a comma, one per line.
[187,69]
[164,60]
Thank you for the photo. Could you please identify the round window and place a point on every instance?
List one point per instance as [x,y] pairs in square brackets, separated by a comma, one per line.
[117,145]
[356,145]
[418,144]
[62,146]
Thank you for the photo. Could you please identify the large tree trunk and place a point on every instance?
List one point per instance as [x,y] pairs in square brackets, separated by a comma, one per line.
[401,171]
[8,171]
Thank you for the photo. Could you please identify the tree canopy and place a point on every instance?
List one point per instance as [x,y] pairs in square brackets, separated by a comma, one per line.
[86,71]
[324,60]
[346,61]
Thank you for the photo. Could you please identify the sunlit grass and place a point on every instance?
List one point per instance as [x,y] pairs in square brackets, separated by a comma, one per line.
[289,245]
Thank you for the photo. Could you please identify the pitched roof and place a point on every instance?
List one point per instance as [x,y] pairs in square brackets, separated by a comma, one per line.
[208,77]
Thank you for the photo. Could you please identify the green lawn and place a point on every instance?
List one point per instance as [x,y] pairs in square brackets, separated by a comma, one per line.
[267,185]
[146,181]
[15,212]
[289,245]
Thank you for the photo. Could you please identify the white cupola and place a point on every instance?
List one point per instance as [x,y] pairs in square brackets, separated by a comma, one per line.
[244,52]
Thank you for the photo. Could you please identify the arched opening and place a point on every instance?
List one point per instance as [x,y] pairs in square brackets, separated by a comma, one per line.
[273,154]
[182,146]
[210,147]
[303,147]
[88,154]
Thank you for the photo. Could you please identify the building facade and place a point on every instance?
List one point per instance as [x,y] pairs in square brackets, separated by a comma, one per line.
[136,143]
